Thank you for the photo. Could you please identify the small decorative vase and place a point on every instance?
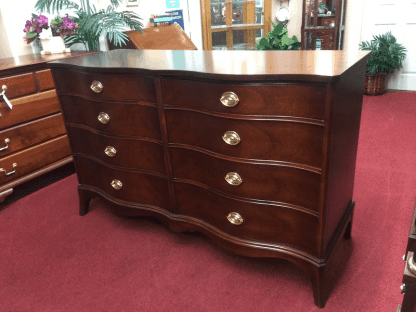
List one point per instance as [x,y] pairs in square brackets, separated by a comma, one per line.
[37,46]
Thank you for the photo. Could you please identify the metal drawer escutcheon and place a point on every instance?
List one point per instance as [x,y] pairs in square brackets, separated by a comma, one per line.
[97,86]
[231,138]
[235,218]
[233,178]
[116,184]
[110,151]
[103,118]
[229,99]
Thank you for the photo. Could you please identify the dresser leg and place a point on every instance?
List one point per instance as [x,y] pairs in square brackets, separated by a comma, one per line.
[319,287]
[84,202]
[347,233]
[4,194]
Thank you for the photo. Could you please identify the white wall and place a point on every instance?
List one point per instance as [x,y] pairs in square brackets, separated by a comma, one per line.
[14,18]
[295,21]
[353,24]
[5,50]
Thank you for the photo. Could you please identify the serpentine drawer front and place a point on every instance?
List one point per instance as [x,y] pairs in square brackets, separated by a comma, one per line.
[254,149]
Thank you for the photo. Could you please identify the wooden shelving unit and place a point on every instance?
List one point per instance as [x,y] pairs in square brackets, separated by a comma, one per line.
[328,27]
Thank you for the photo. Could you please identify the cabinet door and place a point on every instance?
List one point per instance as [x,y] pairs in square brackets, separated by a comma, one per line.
[234,24]
[323,18]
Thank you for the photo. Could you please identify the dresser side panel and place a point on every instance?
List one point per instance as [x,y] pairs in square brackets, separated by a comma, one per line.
[342,149]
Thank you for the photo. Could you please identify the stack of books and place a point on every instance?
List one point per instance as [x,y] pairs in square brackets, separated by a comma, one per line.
[161,20]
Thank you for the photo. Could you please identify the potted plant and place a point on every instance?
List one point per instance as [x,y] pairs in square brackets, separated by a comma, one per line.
[386,56]
[53,42]
[33,29]
[277,39]
[322,8]
[92,23]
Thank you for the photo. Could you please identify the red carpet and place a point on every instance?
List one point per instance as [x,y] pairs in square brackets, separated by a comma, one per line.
[54,260]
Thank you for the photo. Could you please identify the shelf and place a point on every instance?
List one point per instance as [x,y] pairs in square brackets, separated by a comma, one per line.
[236,27]
[319,28]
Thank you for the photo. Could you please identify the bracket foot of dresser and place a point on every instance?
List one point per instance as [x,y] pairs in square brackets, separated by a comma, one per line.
[4,194]
[85,197]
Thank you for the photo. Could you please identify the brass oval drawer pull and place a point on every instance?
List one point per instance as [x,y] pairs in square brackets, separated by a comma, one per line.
[411,264]
[116,184]
[3,94]
[229,99]
[9,173]
[233,178]
[103,118]
[110,151]
[231,138]
[97,86]
[6,141]
[235,218]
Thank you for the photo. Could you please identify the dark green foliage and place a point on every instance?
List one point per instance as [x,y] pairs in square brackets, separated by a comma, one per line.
[386,55]
[92,23]
[322,6]
[277,39]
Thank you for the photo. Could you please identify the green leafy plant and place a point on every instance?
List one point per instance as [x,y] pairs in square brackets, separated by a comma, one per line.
[387,54]
[92,23]
[322,7]
[277,39]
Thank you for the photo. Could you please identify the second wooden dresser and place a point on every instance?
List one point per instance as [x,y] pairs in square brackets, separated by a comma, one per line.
[33,139]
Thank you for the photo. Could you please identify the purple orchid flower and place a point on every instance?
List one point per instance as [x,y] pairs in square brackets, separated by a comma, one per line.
[42,21]
[68,23]
[28,25]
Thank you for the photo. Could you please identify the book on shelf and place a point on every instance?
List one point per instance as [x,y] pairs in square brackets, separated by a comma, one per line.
[161,24]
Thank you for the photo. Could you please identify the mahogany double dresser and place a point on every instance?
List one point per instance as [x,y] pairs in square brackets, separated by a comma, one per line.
[254,149]
[32,132]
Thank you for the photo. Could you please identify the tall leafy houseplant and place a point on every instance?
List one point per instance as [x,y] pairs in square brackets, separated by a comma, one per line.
[277,39]
[386,56]
[92,23]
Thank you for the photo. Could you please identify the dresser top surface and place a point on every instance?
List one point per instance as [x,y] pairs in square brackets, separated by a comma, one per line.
[20,62]
[240,65]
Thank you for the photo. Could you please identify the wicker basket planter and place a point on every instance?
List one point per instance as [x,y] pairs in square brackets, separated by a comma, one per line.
[375,84]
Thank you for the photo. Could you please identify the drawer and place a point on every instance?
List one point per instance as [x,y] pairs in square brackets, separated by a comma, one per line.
[45,80]
[124,119]
[137,187]
[31,133]
[263,182]
[34,158]
[275,140]
[28,108]
[116,87]
[326,21]
[329,45]
[18,86]
[263,223]
[129,153]
[284,100]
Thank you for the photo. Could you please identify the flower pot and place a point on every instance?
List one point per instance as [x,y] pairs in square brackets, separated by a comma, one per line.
[37,46]
[375,84]
[54,44]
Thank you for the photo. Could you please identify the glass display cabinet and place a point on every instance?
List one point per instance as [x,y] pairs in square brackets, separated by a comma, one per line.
[234,24]
[323,24]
